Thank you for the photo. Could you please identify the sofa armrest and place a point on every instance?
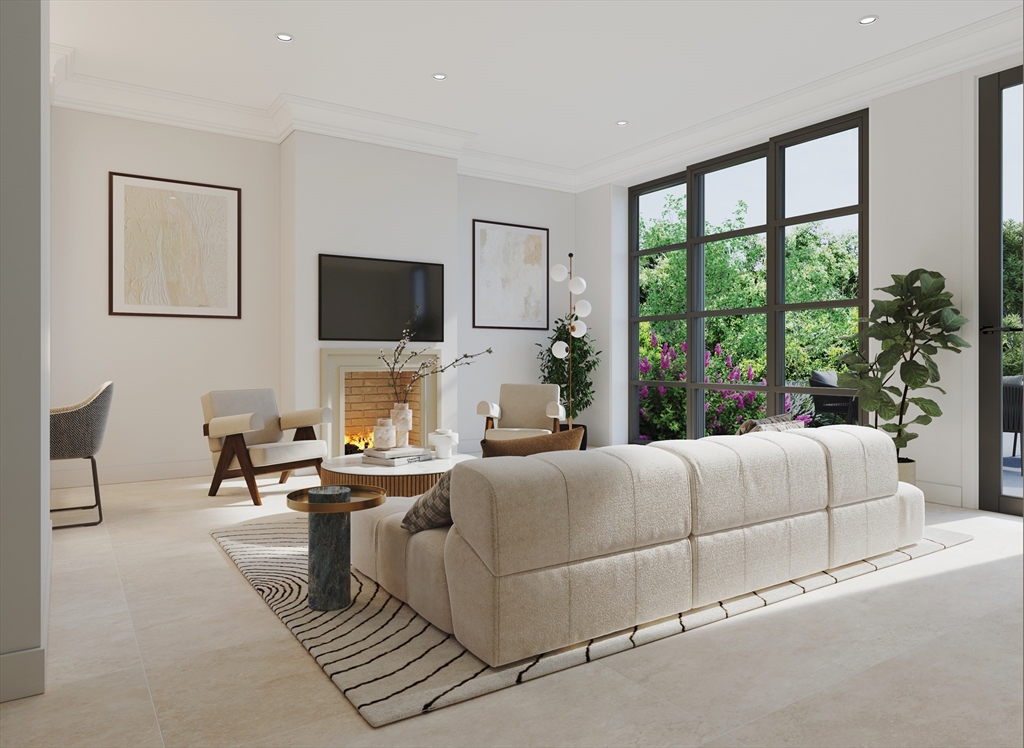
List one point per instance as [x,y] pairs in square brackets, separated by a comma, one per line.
[310,417]
[491,410]
[239,424]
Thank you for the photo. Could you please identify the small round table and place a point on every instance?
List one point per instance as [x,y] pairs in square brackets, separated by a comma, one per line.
[330,539]
[407,480]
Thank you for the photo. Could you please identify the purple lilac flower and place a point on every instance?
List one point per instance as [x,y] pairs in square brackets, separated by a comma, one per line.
[750,372]
[806,419]
[789,402]
[682,347]
[644,438]
[751,397]
[654,340]
[644,392]
[707,357]
[645,366]
[718,349]
[720,408]
[739,419]
[706,406]
[665,363]
[664,348]
[734,375]
[643,413]
[672,354]
[728,360]
[661,390]
[682,377]
[761,409]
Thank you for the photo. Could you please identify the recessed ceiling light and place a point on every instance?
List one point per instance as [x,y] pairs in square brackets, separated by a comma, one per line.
[867,20]
[439,76]
[284,37]
[622,123]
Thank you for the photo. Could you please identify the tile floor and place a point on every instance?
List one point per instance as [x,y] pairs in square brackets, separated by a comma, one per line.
[156,639]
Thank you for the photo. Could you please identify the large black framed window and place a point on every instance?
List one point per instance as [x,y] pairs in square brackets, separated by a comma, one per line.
[748,274]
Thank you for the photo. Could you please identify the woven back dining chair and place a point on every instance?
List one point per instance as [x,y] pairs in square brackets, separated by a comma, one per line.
[76,433]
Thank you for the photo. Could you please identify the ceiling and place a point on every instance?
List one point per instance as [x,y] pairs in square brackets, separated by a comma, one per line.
[531,85]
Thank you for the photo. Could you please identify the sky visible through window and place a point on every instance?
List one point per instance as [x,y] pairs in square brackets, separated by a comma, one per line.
[1013,153]
[821,174]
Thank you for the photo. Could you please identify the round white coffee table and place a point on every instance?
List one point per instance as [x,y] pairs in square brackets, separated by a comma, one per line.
[407,480]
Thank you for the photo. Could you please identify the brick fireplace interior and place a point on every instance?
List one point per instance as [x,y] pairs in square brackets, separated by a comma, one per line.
[368,397]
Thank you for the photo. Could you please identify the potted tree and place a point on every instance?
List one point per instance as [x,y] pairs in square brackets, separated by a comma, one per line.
[914,325]
[575,367]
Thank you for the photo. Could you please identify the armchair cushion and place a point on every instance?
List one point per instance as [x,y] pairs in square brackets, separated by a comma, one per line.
[309,417]
[497,435]
[232,402]
[531,445]
[279,453]
[238,424]
[525,405]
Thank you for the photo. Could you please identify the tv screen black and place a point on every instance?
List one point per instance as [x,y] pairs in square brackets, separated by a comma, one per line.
[370,299]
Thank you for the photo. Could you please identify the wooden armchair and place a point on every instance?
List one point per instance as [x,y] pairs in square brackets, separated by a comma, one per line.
[246,437]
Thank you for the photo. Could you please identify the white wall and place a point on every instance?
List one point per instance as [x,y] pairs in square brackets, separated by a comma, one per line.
[360,199]
[24,347]
[160,366]
[601,236]
[923,213]
[514,359]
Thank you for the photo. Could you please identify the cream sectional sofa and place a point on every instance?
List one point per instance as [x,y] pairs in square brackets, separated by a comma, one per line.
[563,547]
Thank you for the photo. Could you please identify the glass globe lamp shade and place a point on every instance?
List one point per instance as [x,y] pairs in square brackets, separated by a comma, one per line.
[560,349]
[559,273]
[577,285]
[578,329]
[583,308]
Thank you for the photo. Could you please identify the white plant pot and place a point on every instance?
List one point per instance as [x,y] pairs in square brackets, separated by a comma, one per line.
[907,472]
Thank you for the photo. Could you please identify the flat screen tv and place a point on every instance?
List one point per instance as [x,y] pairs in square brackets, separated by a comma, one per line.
[370,299]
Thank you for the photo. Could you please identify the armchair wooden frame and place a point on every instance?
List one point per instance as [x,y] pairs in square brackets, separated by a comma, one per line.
[235,446]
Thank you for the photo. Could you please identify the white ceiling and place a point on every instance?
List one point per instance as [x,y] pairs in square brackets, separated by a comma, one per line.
[535,82]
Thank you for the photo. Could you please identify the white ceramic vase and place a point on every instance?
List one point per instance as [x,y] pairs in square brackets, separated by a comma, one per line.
[444,441]
[401,416]
[383,434]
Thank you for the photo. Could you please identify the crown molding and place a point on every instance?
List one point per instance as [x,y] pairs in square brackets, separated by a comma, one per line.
[292,113]
[988,40]
[992,39]
[517,171]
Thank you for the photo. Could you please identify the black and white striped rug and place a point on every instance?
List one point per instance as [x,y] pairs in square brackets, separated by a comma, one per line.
[392,664]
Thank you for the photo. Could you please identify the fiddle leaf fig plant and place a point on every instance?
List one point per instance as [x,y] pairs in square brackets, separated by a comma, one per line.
[914,325]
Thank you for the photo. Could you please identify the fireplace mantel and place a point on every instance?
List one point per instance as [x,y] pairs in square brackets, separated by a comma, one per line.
[334,362]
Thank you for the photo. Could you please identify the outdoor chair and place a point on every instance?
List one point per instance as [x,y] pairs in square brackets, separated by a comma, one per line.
[840,405]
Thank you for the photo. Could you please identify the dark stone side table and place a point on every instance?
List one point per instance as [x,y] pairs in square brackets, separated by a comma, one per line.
[330,539]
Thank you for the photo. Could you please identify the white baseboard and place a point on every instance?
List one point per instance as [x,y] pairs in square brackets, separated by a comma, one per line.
[940,493]
[68,474]
[22,674]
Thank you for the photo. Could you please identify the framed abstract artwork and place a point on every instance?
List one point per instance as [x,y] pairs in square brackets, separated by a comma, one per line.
[175,248]
[510,276]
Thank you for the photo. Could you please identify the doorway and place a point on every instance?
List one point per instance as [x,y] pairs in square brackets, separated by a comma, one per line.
[1000,213]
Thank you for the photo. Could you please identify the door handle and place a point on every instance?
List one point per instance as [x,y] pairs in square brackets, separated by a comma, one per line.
[989,330]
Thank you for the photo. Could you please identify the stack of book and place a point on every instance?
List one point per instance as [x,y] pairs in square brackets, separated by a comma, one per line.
[396,457]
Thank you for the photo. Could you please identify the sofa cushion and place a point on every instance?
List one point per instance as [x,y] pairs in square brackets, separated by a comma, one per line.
[523,513]
[432,509]
[742,480]
[861,462]
[531,445]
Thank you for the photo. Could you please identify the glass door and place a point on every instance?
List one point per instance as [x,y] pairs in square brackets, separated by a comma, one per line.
[1001,212]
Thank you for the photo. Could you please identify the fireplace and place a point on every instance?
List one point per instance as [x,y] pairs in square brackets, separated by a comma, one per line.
[369,396]
[354,385]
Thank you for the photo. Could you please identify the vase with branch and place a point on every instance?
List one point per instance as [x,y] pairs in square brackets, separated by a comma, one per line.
[397,362]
